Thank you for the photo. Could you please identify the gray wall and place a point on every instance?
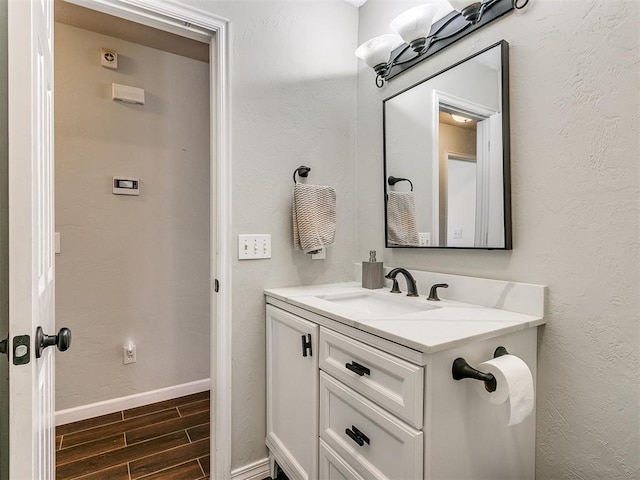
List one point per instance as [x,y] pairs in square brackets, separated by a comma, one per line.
[575,142]
[293,81]
[131,268]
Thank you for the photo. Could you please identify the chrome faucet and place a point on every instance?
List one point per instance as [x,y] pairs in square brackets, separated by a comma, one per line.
[411,282]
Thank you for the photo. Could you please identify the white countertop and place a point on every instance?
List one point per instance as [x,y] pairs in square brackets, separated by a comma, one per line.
[447,325]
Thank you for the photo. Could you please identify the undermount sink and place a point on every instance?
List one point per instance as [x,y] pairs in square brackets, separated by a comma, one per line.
[378,305]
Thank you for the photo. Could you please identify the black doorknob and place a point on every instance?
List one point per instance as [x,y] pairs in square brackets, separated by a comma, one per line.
[62,340]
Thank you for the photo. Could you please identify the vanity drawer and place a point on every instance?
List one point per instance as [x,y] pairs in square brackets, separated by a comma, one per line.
[332,467]
[389,381]
[372,441]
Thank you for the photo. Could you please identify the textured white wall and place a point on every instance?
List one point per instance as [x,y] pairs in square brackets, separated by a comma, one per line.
[575,179]
[131,267]
[293,82]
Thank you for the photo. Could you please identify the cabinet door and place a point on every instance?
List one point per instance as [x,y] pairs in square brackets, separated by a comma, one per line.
[292,393]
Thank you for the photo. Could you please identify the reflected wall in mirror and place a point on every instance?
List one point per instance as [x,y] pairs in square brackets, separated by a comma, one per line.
[446,157]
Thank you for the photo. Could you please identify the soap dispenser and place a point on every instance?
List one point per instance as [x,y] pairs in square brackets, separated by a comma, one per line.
[372,274]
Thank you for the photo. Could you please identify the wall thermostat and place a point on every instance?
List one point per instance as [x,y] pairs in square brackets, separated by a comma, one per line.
[126,186]
[109,58]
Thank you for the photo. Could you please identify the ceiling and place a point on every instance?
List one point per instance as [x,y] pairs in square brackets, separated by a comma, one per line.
[116,27]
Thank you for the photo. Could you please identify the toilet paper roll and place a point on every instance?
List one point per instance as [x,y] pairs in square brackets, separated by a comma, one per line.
[513,382]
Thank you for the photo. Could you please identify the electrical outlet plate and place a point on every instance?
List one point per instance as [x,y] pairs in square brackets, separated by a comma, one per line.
[254,246]
[129,354]
[321,255]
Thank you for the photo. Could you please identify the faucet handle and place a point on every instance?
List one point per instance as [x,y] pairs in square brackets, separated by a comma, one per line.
[433,293]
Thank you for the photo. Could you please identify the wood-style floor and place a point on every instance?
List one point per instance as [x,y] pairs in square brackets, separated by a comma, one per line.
[166,440]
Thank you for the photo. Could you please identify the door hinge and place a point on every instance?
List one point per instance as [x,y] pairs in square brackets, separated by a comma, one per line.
[216,285]
[306,345]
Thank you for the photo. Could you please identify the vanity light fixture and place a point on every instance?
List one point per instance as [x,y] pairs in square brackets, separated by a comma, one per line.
[422,31]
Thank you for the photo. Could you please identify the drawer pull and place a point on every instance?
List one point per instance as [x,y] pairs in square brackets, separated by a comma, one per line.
[357,368]
[357,436]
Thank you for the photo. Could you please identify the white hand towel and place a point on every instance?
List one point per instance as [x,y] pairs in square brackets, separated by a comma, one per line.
[314,217]
[401,219]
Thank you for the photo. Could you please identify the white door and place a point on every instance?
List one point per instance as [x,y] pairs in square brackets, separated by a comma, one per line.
[461,202]
[31,269]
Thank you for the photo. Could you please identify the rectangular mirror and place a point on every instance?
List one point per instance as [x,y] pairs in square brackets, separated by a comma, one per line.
[446,157]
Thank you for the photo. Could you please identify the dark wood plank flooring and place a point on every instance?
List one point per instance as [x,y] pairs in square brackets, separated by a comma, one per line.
[166,440]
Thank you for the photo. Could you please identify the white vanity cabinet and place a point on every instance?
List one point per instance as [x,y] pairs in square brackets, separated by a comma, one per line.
[366,404]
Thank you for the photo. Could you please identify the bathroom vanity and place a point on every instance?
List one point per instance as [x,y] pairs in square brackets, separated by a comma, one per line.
[359,382]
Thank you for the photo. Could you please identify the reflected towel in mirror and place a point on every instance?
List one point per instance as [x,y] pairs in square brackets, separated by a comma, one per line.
[314,217]
[401,219]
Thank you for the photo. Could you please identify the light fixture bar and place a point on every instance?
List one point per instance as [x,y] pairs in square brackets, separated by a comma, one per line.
[443,33]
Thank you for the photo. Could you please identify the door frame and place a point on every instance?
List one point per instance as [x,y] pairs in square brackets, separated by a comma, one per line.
[198,24]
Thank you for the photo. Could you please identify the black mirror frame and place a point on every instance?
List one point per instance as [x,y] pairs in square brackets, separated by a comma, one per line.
[506,151]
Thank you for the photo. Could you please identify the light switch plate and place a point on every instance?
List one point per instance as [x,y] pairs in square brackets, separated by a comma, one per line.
[424,239]
[254,246]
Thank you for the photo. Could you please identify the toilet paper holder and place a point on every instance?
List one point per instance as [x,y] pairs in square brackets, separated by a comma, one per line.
[461,369]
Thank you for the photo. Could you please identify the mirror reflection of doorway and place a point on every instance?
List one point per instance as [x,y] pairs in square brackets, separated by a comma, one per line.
[467,167]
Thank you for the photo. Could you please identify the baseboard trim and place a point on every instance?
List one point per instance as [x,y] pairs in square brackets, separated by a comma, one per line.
[254,471]
[131,401]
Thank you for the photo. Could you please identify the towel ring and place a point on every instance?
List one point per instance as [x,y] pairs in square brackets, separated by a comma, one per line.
[393,180]
[301,171]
